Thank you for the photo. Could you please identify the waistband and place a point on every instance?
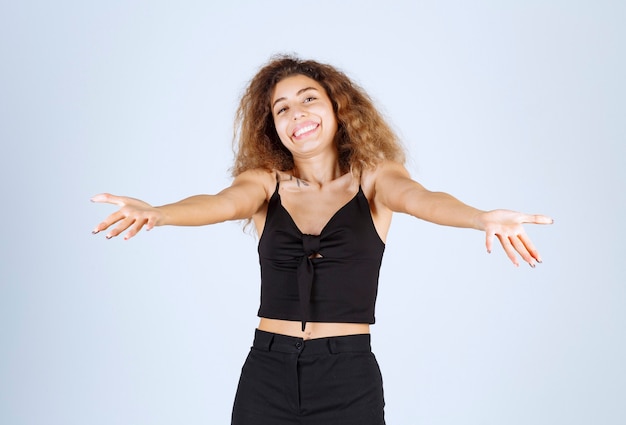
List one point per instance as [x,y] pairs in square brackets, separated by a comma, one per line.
[267,341]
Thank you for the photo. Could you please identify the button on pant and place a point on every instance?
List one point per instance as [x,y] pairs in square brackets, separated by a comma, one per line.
[287,380]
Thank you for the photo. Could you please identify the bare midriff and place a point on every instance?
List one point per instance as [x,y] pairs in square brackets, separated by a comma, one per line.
[312,330]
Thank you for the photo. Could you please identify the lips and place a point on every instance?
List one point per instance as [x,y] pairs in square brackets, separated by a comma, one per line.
[304,129]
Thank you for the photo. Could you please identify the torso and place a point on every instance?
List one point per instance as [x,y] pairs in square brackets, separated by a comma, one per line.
[313,329]
[311,206]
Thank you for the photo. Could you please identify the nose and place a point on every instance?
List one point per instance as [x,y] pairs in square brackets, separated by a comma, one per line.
[297,113]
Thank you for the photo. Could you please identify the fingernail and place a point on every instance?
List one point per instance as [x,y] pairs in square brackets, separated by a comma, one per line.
[94,232]
[531,265]
[539,261]
[488,251]
[108,236]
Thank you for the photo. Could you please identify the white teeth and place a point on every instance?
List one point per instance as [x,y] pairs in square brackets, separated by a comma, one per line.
[305,129]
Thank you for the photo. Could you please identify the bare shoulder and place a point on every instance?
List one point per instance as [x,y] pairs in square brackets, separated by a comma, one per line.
[376,177]
[259,178]
[390,185]
[375,183]
[257,174]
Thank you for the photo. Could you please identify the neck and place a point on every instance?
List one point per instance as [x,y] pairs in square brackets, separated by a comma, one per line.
[317,170]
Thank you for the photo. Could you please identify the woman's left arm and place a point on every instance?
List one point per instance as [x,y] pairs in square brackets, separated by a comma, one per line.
[396,190]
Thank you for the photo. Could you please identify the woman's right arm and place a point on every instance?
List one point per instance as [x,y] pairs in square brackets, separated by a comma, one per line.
[241,200]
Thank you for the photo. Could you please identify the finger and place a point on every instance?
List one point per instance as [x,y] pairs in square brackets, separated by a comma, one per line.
[517,244]
[110,220]
[123,225]
[134,229]
[489,241]
[530,247]
[150,223]
[538,219]
[508,249]
[109,199]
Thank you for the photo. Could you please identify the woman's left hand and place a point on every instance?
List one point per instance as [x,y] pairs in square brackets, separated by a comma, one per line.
[507,227]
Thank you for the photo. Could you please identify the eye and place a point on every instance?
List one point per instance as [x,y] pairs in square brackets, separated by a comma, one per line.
[281,110]
[309,99]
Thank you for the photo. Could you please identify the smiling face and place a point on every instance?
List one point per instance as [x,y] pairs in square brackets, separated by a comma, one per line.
[304,117]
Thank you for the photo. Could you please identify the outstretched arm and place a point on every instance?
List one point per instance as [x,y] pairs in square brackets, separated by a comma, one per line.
[241,200]
[396,190]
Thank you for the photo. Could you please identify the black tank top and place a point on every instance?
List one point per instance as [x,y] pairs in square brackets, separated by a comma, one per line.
[331,277]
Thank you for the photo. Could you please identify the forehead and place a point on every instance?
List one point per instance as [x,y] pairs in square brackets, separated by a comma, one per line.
[290,86]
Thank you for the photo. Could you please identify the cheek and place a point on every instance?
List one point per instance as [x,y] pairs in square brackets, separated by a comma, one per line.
[281,130]
[333,122]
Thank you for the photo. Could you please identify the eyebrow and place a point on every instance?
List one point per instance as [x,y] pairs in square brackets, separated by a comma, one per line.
[297,94]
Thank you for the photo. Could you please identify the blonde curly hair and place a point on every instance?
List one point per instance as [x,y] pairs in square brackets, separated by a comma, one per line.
[363,137]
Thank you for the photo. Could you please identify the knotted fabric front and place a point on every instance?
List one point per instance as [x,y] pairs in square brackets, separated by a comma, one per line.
[306,274]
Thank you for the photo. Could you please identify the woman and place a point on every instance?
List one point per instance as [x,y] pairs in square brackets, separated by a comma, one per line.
[319,173]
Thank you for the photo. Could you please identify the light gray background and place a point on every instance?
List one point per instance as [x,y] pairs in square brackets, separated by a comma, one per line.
[504,104]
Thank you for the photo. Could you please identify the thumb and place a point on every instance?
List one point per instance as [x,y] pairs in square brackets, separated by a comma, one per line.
[538,219]
[108,198]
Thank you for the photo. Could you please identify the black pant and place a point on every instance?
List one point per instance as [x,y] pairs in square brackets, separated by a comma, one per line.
[288,380]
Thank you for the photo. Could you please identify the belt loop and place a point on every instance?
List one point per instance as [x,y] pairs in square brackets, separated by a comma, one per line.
[263,340]
[332,346]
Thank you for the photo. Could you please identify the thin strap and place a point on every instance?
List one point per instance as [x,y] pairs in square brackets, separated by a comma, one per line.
[277,185]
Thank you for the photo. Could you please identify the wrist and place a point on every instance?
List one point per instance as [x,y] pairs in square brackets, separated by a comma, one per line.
[478,220]
[161,216]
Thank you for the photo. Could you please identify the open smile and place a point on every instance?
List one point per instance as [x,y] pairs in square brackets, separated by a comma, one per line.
[304,130]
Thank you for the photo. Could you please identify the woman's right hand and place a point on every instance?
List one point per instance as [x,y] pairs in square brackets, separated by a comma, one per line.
[133,215]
